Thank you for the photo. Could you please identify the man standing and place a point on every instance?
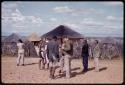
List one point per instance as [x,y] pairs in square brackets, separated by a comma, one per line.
[96,54]
[20,46]
[67,51]
[53,54]
[85,55]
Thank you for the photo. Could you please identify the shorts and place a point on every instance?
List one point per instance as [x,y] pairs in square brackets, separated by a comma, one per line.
[21,51]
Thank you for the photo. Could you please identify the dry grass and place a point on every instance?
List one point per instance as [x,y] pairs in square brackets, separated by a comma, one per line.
[111,71]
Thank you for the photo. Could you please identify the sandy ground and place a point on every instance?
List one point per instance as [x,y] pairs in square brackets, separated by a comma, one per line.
[111,71]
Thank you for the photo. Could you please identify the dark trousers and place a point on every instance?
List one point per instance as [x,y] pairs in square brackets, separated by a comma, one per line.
[85,62]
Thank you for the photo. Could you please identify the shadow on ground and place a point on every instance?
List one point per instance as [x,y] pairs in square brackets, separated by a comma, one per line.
[30,64]
[102,69]
[73,74]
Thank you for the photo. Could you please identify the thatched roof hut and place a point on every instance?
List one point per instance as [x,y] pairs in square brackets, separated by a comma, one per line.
[62,31]
[30,49]
[9,44]
[12,38]
[34,37]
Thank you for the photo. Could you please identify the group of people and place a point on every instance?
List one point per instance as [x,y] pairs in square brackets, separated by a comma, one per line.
[53,53]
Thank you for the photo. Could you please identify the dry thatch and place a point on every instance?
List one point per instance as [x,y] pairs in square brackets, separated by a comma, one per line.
[33,37]
[12,38]
[62,31]
[9,44]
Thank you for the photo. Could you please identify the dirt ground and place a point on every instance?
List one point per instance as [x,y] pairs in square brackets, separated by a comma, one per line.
[111,71]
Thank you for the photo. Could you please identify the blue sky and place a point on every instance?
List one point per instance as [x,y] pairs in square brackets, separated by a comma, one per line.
[88,18]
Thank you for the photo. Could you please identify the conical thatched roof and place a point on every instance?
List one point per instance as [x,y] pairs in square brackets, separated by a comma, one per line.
[34,37]
[12,38]
[61,31]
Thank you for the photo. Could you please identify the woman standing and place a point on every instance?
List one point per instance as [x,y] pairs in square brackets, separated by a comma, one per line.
[96,54]
[20,46]
[41,54]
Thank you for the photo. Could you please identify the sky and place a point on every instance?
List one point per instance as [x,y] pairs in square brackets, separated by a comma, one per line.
[96,19]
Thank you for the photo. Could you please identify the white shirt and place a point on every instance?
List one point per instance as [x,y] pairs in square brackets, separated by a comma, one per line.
[37,50]
[20,47]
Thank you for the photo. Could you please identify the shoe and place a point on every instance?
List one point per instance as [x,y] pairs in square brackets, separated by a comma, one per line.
[17,64]
[23,65]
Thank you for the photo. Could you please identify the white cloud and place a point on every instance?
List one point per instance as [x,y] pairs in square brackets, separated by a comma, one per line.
[34,19]
[109,27]
[19,26]
[112,27]
[16,16]
[113,3]
[14,21]
[9,4]
[53,19]
[12,16]
[112,18]
[64,9]
[91,22]
[78,11]
[71,25]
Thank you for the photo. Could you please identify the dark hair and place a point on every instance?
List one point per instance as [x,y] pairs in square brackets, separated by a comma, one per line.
[20,41]
[85,41]
[54,37]
[97,41]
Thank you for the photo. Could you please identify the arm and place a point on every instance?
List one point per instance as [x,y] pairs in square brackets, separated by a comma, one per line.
[82,51]
[45,47]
